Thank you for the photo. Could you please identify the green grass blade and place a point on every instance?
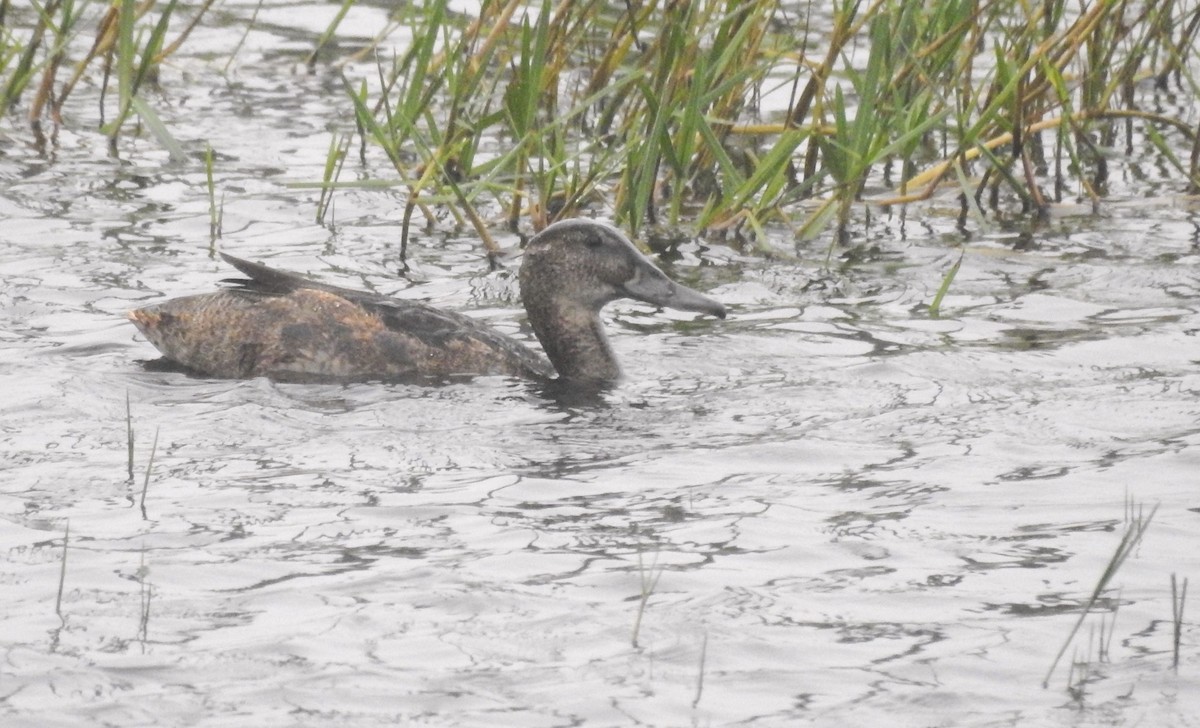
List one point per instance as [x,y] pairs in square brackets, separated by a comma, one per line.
[935,306]
[158,129]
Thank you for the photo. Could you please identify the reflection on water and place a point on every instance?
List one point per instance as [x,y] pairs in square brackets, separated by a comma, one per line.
[830,506]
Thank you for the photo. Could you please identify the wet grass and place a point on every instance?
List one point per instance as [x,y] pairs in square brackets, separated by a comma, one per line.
[700,671]
[62,572]
[652,111]
[145,593]
[935,306]
[648,579]
[1178,597]
[129,435]
[149,469]
[712,115]
[122,42]
[1136,524]
[216,211]
[339,148]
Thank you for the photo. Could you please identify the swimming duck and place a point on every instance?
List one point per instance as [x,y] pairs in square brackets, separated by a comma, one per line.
[289,328]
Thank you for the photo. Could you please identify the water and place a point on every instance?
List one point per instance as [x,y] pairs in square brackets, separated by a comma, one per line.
[828,509]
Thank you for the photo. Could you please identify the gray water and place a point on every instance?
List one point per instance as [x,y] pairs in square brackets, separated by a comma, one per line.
[829,509]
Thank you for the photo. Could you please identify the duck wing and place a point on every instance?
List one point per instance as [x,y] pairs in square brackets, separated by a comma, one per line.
[273,282]
[414,324]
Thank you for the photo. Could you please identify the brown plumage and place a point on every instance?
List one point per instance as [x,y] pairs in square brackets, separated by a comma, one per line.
[290,328]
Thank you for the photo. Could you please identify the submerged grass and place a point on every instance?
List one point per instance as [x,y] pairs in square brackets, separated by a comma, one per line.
[718,115]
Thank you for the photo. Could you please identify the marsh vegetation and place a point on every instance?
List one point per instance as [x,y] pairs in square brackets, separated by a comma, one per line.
[712,116]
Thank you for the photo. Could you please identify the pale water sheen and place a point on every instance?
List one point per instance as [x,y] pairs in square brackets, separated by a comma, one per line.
[849,513]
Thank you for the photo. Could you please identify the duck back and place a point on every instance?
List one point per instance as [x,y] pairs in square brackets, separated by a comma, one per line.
[288,328]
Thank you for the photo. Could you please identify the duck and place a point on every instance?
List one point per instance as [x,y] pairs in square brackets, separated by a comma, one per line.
[287,327]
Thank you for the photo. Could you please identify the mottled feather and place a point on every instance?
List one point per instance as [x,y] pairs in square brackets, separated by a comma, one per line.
[289,328]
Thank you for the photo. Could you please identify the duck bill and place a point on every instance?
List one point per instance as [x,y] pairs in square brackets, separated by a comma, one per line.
[651,285]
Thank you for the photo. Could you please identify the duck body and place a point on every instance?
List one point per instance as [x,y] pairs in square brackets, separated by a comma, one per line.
[290,328]
[311,334]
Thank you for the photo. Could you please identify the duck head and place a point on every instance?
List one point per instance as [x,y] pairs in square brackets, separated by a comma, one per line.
[574,268]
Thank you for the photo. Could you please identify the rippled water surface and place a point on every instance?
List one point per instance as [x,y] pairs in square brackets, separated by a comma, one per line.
[828,509]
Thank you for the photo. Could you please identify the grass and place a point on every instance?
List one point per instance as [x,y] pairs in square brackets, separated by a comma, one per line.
[651,110]
[216,211]
[149,468]
[649,581]
[62,572]
[339,148]
[935,306]
[127,44]
[1083,668]
[149,462]
[129,434]
[1136,524]
[145,592]
[1178,597]
[717,116]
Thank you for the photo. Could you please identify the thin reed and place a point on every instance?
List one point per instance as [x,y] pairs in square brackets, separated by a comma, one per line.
[1178,597]
[62,571]
[145,591]
[149,469]
[129,435]
[216,211]
[1137,522]
[648,579]
[935,306]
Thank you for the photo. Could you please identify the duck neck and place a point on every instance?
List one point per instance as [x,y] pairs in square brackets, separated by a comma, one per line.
[574,340]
